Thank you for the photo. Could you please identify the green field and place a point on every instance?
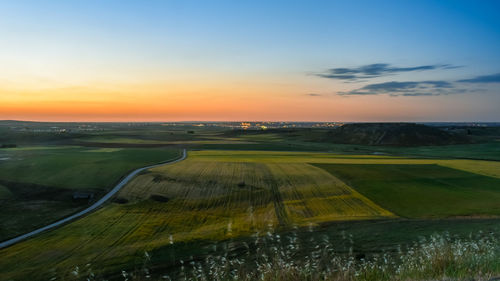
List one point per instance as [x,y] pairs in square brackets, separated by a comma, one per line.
[422,191]
[179,211]
[38,181]
[486,150]
[5,193]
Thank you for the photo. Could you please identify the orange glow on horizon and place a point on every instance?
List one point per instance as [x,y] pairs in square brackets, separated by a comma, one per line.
[216,100]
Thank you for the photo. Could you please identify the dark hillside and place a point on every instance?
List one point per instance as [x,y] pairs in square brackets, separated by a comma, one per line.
[397,134]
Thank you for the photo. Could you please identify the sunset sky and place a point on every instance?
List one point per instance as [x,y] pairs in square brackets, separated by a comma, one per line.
[250,60]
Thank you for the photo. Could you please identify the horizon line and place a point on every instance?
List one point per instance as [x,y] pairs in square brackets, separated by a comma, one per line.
[239,121]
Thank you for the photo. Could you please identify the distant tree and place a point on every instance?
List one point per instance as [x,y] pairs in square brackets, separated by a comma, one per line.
[8,145]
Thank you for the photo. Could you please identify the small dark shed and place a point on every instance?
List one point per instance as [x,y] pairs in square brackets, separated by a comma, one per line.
[82,195]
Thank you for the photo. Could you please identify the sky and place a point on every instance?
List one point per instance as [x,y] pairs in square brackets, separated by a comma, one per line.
[250,60]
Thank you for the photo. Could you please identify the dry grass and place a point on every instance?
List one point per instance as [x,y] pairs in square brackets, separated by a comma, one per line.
[288,258]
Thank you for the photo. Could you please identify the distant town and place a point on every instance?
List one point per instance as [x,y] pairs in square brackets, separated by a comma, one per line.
[66,127]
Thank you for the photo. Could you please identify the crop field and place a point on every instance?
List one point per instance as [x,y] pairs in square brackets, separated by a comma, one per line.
[487,150]
[245,197]
[487,168]
[177,211]
[37,182]
[423,191]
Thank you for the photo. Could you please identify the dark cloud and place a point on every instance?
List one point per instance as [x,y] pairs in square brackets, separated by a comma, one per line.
[416,94]
[401,86]
[493,78]
[338,76]
[449,66]
[407,88]
[376,70]
[314,95]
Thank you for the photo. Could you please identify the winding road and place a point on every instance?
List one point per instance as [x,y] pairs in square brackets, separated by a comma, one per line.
[101,201]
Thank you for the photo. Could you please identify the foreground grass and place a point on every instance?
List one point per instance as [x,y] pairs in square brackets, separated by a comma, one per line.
[282,258]
[102,250]
[438,257]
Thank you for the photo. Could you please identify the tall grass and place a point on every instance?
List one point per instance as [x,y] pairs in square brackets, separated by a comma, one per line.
[275,258]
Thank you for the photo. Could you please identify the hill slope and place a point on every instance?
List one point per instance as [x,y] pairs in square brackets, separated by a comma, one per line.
[400,134]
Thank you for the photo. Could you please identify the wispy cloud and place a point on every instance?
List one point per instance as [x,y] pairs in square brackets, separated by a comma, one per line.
[403,88]
[407,88]
[376,70]
[492,78]
[314,95]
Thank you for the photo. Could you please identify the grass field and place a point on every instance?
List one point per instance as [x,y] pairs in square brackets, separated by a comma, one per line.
[422,191]
[75,167]
[180,210]
[198,140]
[38,182]
[5,192]
[487,150]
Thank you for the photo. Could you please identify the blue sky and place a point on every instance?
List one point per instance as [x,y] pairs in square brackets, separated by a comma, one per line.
[286,46]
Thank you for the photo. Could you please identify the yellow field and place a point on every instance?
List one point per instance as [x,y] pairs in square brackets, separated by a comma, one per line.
[273,195]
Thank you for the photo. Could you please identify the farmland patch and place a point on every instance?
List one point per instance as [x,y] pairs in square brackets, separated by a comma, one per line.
[421,191]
